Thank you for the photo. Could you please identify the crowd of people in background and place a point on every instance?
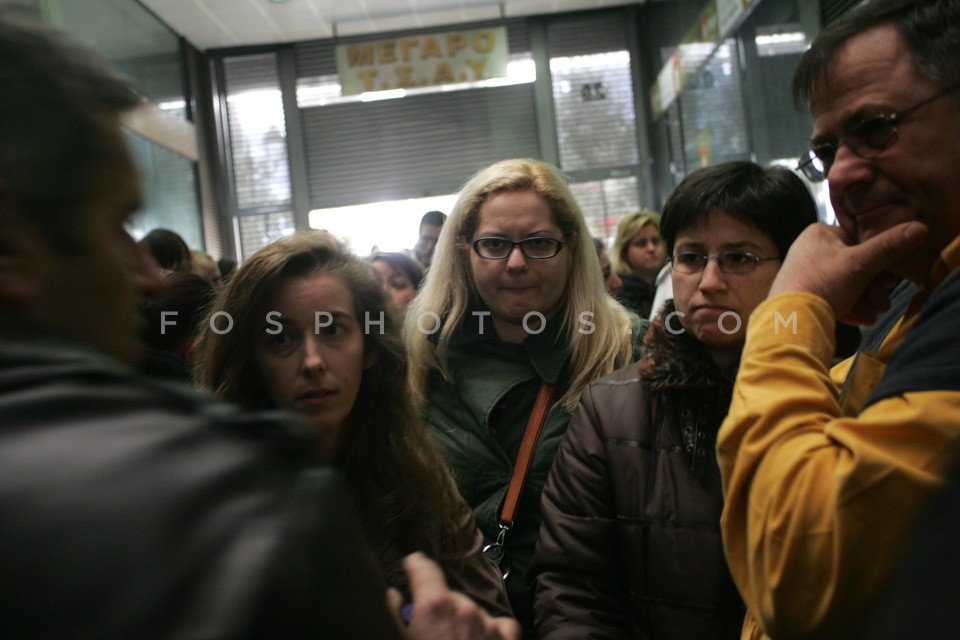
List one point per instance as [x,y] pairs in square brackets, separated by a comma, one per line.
[503,432]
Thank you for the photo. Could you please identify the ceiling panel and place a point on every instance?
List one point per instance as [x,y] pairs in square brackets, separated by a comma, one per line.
[210,24]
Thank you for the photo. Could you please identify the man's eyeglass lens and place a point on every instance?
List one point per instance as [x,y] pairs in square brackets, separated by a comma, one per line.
[867,138]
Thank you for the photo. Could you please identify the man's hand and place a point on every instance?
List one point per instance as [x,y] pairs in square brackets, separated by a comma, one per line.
[442,614]
[852,278]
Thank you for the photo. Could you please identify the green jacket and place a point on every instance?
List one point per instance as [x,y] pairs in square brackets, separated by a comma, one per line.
[478,420]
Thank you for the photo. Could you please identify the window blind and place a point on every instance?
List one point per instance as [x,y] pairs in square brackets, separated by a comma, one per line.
[415,146]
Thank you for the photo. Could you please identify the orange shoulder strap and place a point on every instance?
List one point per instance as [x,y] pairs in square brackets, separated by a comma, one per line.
[525,457]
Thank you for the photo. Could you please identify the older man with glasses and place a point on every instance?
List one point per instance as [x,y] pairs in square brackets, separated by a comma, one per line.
[821,485]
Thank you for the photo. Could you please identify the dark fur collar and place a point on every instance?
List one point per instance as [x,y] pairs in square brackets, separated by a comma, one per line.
[670,360]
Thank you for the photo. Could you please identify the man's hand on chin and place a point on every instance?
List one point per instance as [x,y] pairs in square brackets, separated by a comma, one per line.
[852,278]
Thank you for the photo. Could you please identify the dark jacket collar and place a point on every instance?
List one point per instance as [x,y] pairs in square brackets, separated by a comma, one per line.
[29,358]
[672,360]
[547,351]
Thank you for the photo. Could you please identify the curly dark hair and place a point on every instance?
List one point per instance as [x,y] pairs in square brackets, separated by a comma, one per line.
[397,476]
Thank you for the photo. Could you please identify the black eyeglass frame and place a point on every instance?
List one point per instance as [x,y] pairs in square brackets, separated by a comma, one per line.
[756,260]
[807,164]
[515,243]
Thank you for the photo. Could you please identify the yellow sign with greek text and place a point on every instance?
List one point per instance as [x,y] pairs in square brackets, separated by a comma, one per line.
[423,61]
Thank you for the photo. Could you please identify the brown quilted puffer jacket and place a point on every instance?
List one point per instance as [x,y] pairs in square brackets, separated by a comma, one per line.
[630,541]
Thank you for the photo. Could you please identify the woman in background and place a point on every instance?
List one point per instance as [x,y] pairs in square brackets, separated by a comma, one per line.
[172,316]
[309,332]
[611,281]
[638,255]
[400,275]
[168,249]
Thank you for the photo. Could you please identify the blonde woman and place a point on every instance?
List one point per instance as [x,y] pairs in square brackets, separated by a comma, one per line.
[514,298]
[638,256]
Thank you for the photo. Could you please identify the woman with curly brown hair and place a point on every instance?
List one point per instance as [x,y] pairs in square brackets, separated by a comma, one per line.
[304,325]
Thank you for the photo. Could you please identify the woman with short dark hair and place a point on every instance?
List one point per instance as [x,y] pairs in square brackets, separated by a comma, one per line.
[630,543]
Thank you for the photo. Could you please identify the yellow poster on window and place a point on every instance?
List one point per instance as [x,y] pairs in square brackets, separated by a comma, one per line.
[423,60]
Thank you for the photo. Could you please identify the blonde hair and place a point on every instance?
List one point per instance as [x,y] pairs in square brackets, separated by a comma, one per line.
[444,293]
[628,227]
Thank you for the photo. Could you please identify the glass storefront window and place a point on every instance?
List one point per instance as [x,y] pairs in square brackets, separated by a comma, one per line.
[596,121]
[604,202]
[258,150]
[131,38]
[711,108]
[170,193]
[381,226]
[736,99]
[147,52]
[772,41]
[258,230]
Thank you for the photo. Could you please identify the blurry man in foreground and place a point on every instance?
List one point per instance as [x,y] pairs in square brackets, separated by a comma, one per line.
[133,508]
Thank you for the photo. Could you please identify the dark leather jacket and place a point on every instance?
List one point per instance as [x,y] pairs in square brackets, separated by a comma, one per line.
[140,509]
[630,542]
